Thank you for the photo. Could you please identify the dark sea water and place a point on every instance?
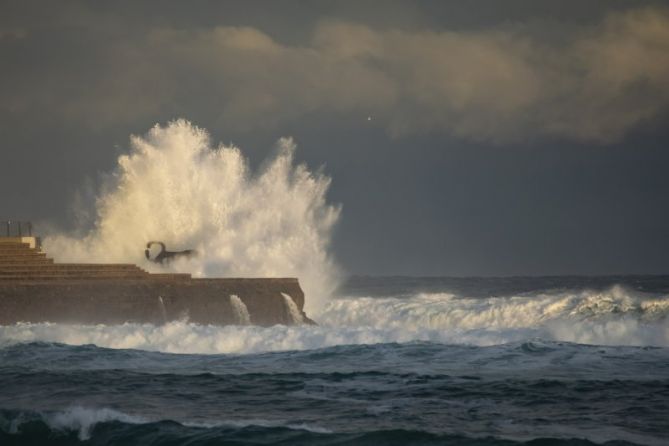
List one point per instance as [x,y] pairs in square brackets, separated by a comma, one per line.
[538,361]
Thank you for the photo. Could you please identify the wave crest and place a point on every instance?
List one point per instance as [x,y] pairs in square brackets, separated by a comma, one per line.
[612,317]
[447,311]
[82,421]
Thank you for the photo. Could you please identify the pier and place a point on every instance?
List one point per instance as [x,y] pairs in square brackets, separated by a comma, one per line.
[34,288]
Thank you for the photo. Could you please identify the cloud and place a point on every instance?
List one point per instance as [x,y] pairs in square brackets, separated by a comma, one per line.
[494,85]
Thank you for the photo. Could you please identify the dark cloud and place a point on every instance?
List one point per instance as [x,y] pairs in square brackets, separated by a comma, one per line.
[498,84]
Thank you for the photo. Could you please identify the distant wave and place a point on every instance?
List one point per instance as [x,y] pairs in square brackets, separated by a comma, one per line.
[616,316]
[107,426]
[81,421]
[612,317]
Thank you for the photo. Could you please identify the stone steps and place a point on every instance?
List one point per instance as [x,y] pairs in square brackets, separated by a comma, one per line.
[22,247]
[114,276]
[24,255]
[26,261]
[14,246]
[65,270]
[70,266]
[20,262]
[79,276]
[33,278]
[69,269]
[170,276]
[74,269]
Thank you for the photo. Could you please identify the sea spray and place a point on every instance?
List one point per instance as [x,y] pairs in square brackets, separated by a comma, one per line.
[163,311]
[176,187]
[623,318]
[294,312]
[83,420]
[240,310]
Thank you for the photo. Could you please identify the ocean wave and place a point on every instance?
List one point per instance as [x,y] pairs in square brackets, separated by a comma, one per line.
[446,310]
[616,316]
[82,421]
[612,317]
[76,419]
[106,427]
[183,337]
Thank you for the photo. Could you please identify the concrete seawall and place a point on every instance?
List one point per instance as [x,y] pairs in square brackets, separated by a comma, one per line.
[35,289]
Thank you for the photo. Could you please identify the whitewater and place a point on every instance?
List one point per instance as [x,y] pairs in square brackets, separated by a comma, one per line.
[393,360]
[614,316]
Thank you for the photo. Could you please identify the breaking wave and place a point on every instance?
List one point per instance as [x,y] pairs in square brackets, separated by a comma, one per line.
[293,311]
[82,421]
[105,427]
[176,187]
[76,419]
[612,317]
[615,315]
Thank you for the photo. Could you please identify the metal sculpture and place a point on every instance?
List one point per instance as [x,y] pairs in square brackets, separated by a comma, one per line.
[165,256]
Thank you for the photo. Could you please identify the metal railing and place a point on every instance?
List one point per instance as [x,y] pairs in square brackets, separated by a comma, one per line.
[12,228]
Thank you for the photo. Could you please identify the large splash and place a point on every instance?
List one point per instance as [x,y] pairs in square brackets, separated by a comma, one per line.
[176,187]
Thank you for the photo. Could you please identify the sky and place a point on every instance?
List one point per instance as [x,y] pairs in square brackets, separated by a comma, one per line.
[462,138]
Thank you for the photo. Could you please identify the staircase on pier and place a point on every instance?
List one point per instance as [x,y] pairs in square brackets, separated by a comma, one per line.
[21,259]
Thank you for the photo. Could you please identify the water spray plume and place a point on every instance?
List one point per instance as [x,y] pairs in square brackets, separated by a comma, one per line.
[176,187]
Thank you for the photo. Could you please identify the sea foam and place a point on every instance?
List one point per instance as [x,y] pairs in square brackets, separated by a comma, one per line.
[82,420]
[611,317]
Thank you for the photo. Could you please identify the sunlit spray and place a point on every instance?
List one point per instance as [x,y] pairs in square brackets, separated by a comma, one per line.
[240,311]
[174,186]
[293,311]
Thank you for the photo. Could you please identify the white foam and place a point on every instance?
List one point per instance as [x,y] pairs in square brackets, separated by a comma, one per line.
[443,311]
[176,187]
[183,337]
[163,311]
[261,423]
[294,312]
[240,310]
[612,317]
[82,420]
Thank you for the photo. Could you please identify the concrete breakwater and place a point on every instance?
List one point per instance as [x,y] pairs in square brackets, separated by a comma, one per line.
[33,288]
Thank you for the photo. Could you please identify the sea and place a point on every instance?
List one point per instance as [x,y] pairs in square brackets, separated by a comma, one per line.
[393,361]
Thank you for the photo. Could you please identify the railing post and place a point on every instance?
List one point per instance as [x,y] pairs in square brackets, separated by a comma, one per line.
[16,228]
